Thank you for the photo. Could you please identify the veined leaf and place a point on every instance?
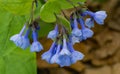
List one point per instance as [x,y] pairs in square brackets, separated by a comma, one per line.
[55,6]
[19,7]
[48,9]
[13,60]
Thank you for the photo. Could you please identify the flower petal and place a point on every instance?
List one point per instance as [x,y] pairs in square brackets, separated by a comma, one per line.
[100,17]
[36,47]
[87,33]
[64,60]
[76,56]
[89,22]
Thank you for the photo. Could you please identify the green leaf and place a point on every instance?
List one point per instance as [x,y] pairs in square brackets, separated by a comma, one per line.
[37,10]
[45,28]
[19,7]
[2,66]
[14,60]
[65,22]
[20,62]
[48,9]
[66,5]
[55,6]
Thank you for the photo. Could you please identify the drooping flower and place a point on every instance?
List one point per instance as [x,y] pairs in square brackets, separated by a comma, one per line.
[64,55]
[17,38]
[54,33]
[76,31]
[86,32]
[54,58]
[64,60]
[25,40]
[98,16]
[75,55]
[47,55]
[36,45]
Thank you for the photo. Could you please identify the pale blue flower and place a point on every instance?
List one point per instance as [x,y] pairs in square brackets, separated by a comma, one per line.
[89,22]
[75,55]
[17,39]
[87,33]
[47,55]
[76,31]
[36,45]
[98,16]
[65,50]
[25,40]
[54,58]
[64,55]
[54,33]
[64,60]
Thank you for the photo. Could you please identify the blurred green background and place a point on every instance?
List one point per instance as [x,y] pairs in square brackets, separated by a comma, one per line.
[101,51]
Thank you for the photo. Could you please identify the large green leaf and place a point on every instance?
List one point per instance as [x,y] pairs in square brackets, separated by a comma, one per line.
[20,7]
[20,62]
[55,6]
[48,10]
[13,60]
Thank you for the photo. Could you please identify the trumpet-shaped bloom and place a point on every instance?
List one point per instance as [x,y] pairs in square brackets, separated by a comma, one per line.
[65,49]
[25,40]
[64,55]
[86,32]
[54,58]
[17,39]
[54,33]
[47,55]
[36,45]
[75,55]
[76,31]
[64,60]
[98,16]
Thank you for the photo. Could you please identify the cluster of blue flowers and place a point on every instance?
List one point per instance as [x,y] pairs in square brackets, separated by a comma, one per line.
[61,50]
[85,31]
[21,40]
